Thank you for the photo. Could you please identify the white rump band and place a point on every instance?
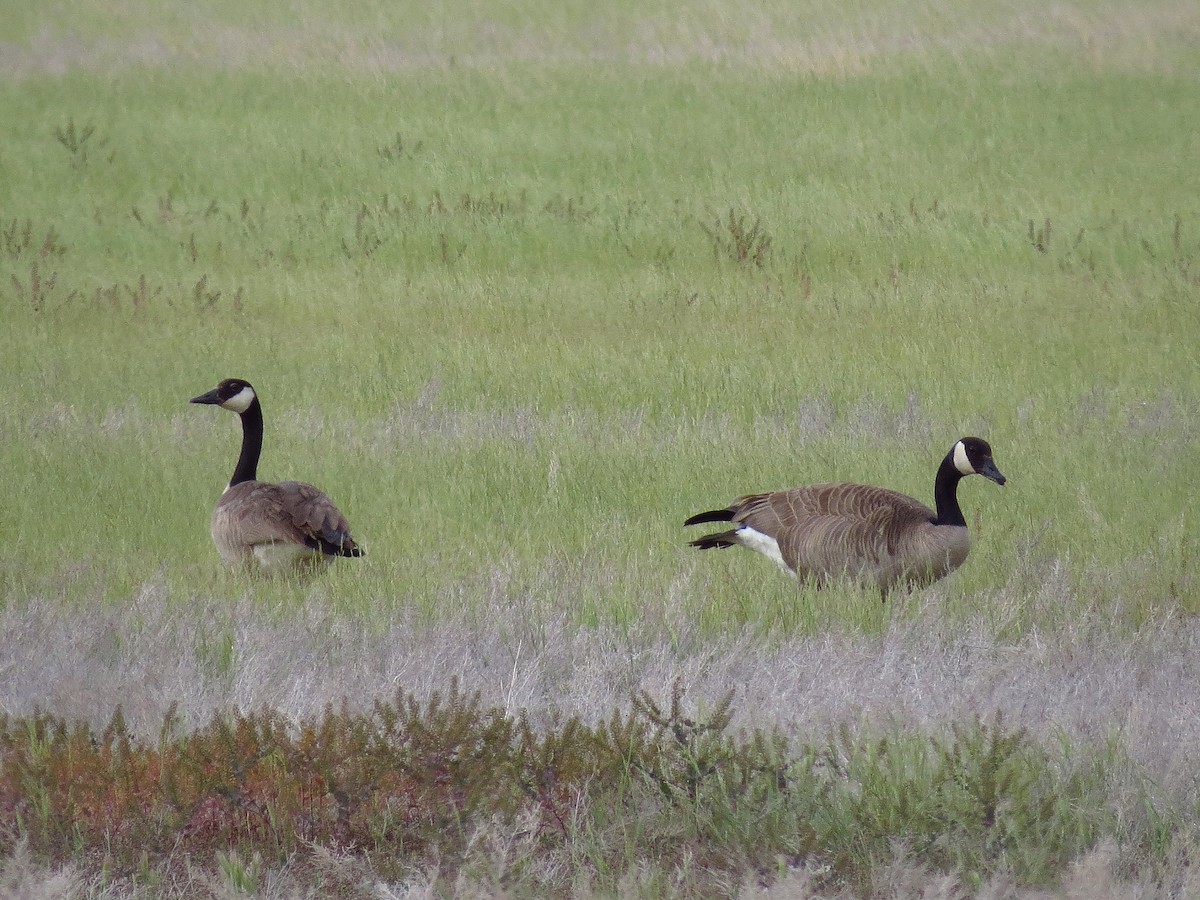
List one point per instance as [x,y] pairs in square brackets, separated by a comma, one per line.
[764,544]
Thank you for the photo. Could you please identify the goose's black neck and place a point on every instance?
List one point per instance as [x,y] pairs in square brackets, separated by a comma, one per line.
[252,438]
[945,493]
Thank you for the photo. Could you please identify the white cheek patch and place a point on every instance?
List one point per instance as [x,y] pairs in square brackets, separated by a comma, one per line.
[761,543]
[240,402]
[960,460]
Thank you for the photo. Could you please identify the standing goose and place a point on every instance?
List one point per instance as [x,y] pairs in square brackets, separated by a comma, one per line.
[870,534]
[289,525]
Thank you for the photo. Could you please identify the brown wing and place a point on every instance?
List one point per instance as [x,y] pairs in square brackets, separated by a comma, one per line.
[256,512]
[770,513]
[314,515]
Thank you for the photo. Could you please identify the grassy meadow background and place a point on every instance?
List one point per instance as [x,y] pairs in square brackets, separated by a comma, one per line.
[523,287]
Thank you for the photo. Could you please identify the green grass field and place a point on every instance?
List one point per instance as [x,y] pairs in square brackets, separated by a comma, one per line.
[523,288]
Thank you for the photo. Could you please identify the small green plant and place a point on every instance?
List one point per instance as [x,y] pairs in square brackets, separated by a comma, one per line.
[985,800]
[702,752]
[238,875]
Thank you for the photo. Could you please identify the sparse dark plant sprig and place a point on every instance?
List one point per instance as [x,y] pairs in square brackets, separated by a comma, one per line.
[184,220]
[17,240]
[398,149]
[142,295]
[1039,237]
[661,254]
[166,208]
[203,299]
[493,206]
[40,291]
[71,138]
[366,239]
[79,141]
[450,251]
[1184,257]
[733,239]
[569,209]
[43,295]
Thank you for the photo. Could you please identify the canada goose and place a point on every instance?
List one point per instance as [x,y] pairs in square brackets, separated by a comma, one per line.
[278,526]
[867,533]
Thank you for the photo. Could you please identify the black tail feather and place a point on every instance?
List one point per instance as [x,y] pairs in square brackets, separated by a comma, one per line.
[713,515]
[717,541]
[329,548]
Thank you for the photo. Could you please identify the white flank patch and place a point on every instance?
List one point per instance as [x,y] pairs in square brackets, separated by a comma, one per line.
[281,557]
[761,543]
[240,402]
[960,460]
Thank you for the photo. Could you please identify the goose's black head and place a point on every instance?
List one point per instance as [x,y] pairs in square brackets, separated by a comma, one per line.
[973,456]
[233,394]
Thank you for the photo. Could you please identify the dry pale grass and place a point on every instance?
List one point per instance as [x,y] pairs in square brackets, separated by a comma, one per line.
[1138,686]
[325,873]
[22,878]
[1091,877]
[823,39]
